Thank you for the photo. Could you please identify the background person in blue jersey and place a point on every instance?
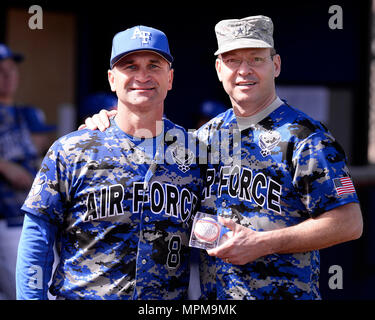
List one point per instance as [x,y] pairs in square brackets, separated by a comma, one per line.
[41,132]
[18,166]
[208,109]
[292,194]
[94,102]
[119,203]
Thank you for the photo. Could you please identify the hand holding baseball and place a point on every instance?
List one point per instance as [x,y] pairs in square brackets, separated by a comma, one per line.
[243,246]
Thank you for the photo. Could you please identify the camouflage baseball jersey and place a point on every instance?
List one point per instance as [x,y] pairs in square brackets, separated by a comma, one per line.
[288,168]
[15,146]
[124,219]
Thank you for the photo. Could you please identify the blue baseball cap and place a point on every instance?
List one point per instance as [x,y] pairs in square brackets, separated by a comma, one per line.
[139,38]
[95,102]
[6,53]
[211,108]
[36,120]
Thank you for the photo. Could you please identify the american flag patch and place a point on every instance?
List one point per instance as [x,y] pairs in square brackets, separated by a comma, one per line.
[343,185]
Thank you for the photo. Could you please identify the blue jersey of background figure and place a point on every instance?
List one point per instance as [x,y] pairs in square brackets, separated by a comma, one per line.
[124,221]
[15,146]
[288,165]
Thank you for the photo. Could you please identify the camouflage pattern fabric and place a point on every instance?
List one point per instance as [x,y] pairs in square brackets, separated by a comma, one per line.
[15,146]
[124,219]
[249,32]
[285,172]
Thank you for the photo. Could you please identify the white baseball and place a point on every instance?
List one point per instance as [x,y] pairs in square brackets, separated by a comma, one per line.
[207,230]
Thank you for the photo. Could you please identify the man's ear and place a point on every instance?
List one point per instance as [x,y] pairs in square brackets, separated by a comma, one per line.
[170,80]
[111,80]
[277,65]
[218,68]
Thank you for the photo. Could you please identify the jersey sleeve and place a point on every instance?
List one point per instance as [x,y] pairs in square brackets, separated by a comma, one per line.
[50,190]
[35,258]
[320,168]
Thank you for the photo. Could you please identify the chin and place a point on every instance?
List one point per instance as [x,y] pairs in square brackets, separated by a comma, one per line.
[245,100]
[144,106]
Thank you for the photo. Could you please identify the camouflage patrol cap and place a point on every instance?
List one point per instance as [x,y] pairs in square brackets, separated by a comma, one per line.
[249,32]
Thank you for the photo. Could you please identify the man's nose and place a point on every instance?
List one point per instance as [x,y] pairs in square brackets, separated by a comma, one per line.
[143,75]
[245,68]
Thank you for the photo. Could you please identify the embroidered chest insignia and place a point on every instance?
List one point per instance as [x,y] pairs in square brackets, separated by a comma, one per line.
[38,185]
[268,140]
[183,158]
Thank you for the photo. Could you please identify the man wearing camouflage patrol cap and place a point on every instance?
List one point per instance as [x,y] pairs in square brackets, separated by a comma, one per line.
[293,194]
[119,210]
[251,32]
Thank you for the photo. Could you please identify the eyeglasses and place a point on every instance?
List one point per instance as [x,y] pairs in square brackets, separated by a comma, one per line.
[235,63]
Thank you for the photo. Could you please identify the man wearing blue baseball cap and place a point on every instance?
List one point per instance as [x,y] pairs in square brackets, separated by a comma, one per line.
[18,166]
[118,211]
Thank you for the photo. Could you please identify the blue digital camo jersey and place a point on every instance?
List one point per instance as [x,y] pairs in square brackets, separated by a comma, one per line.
[124,224]
[15,146]
[290,169]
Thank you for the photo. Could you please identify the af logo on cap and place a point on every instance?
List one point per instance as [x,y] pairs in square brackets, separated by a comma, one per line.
[144,35]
